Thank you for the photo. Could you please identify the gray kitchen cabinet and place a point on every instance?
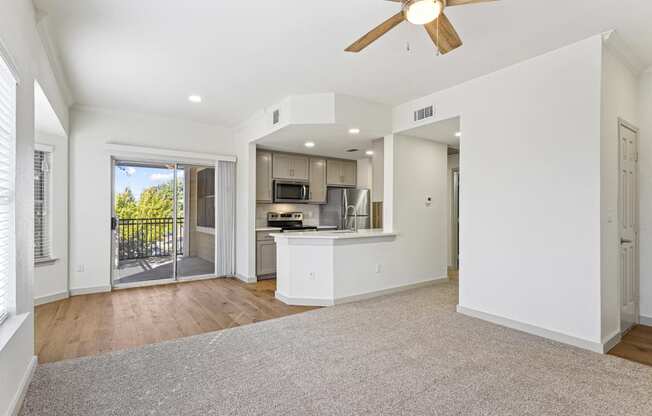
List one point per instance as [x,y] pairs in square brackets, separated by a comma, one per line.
[292,167]
[317,180]
[341,172]
[263,177]
[265,258]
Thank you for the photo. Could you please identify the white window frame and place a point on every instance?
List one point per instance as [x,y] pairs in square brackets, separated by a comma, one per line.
[8,71]
[49,149]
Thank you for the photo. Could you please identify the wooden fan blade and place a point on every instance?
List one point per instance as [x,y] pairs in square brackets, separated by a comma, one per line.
[376,32]
[448,38]
[463,2]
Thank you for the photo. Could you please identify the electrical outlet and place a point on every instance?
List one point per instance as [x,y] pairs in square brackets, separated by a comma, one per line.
[80,268]
[378,269]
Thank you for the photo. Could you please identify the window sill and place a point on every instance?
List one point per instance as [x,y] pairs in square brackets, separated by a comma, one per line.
[205,230]
[9,327]
[45,262]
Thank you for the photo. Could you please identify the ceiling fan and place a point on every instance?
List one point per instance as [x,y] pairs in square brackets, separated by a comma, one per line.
[430,14]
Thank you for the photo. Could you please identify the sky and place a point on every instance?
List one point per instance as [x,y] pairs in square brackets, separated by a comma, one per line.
[139,178]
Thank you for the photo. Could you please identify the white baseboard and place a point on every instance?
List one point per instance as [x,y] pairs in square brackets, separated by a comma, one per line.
[611,341]
[90,290]
[391,290]
[246,279]
[534,330]
[302,301]
[354,298]
[645,320]
[42,300]
[17,402]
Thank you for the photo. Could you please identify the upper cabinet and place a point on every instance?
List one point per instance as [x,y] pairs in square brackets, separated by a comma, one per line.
[318,180]
[263,176]
[341,172]
[292,167]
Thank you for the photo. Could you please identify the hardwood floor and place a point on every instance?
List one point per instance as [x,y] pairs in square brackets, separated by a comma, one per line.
[636,345]
[94,324]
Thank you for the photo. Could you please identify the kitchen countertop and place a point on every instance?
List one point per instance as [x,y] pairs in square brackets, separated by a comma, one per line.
[335,235]
[320,227]
[268,229]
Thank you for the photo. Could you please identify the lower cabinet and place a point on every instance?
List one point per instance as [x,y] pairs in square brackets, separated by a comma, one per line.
[266,259]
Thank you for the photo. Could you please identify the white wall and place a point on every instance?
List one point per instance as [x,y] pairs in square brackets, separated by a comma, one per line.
[19,38]
[645,187]
[51,279]
[530,199]
[90,178]
[418,169]
[619,100]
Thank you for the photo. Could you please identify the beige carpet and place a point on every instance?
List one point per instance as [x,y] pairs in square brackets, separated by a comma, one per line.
[405,354]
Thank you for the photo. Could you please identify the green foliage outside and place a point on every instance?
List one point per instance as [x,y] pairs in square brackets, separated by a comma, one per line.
[155,202]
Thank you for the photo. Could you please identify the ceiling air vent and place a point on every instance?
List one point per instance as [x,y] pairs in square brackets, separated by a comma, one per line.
[424,113]
[276,116]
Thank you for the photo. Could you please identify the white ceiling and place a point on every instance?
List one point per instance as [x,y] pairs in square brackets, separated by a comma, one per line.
[442,131]
[149,55]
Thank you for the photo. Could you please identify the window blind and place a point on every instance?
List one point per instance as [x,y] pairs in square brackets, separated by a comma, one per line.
[42,249]
[7,184]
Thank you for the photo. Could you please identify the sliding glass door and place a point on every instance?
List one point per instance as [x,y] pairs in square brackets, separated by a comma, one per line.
[197,256]
[159,229]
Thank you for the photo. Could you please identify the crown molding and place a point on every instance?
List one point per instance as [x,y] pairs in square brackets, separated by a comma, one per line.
[612,41]
[52,53]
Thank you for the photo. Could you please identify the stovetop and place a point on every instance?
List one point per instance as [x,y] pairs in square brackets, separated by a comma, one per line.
[288,221]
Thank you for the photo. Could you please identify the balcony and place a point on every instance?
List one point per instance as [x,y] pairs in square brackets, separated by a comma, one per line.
[146,250]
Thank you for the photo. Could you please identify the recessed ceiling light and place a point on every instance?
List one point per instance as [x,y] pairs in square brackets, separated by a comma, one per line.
[354,131]
[458,134]
[309,144]
[194,98]
[369,152]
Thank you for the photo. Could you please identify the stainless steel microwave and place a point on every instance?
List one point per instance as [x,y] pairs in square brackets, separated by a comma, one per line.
[291,191]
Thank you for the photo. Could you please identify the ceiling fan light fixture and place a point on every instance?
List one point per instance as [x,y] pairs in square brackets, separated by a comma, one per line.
[420,12]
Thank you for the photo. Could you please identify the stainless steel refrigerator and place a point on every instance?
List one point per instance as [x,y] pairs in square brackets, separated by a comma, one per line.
[335,212]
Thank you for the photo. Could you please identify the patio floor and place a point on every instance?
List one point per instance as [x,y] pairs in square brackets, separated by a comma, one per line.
[157,268]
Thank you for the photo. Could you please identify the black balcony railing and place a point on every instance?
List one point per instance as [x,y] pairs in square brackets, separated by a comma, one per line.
[140,238]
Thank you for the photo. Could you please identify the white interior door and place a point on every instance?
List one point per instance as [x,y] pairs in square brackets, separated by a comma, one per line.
[628,224]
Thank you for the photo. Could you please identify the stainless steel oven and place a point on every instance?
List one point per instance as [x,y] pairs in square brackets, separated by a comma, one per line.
[291,191]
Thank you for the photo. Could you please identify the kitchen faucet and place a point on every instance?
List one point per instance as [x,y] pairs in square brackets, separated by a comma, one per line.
[355,217]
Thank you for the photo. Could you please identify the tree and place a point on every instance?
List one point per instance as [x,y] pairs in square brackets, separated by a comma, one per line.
[125,204]
[155,202]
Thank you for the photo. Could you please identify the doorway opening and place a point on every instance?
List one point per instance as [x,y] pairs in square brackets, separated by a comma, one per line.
[628,225]
[454,212]
[163,222]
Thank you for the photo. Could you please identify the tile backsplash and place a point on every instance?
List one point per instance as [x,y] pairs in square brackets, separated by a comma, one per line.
[310,212]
